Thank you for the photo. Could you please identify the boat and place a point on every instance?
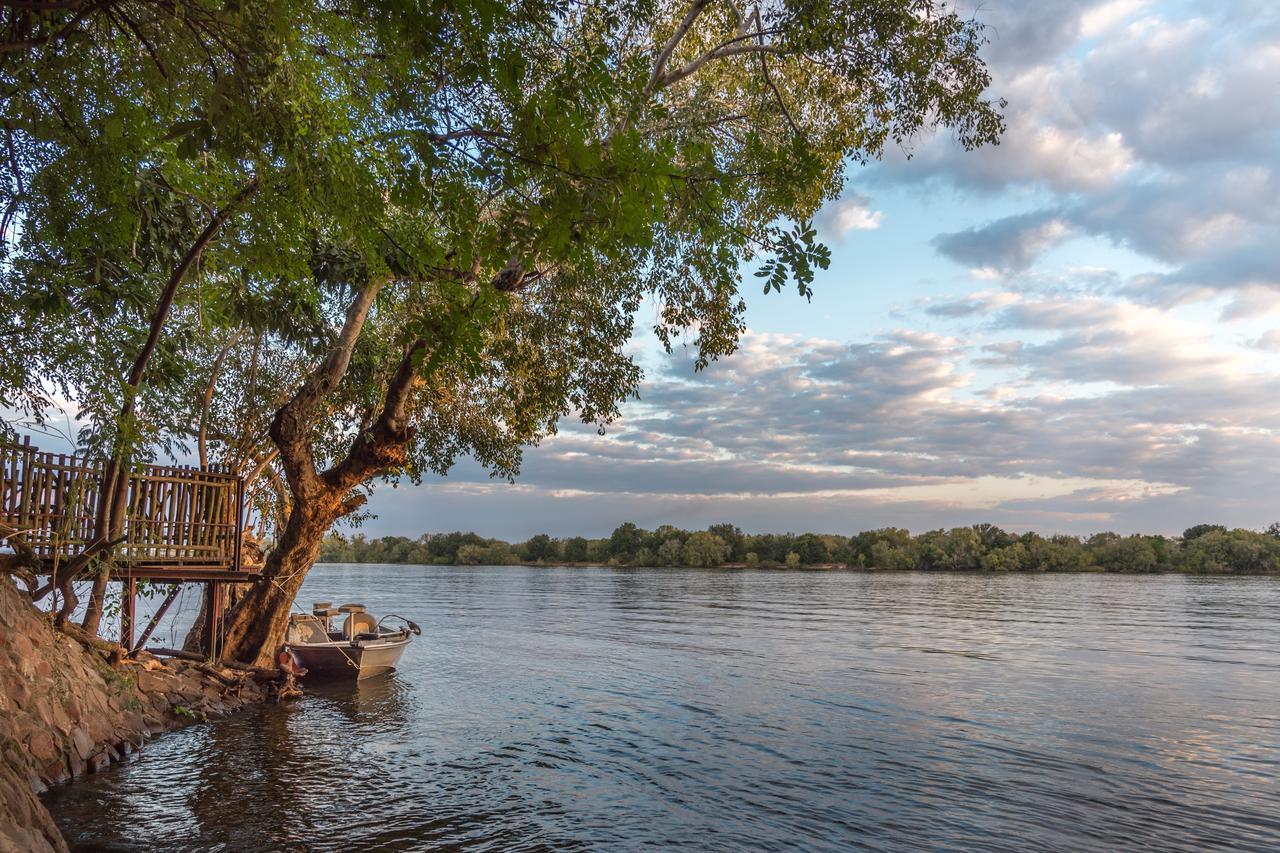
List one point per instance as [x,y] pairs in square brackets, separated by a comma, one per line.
[359,647]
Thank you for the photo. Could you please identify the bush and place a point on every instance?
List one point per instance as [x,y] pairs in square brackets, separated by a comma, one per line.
[704,550]
[575,550]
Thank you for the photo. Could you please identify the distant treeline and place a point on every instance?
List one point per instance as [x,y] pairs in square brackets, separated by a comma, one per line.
[1208,548]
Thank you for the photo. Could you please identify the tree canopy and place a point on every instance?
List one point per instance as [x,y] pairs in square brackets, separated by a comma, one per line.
[437,222]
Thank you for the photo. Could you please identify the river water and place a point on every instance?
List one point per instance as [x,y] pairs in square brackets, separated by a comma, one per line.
[615,709]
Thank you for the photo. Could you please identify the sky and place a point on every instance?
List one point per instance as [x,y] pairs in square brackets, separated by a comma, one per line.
[1078,330]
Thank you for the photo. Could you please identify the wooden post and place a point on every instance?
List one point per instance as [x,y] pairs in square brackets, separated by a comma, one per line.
[212,615]
[239,538]
[128,608]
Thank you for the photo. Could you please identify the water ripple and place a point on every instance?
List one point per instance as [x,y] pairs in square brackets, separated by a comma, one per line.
[598,709]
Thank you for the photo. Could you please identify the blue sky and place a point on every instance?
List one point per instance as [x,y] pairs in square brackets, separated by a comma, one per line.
[1075,331]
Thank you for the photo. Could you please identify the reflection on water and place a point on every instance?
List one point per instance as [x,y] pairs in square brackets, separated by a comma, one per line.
[610,709]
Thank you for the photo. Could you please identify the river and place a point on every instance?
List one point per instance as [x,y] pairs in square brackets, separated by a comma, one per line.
[614,709]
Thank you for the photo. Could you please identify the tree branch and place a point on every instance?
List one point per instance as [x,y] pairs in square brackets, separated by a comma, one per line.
[659,66]
[290,427]
[161,314]
[202,435]
[721,52]
[382,446]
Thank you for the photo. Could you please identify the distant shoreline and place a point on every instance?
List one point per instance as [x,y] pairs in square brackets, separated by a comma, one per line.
[1204,549]
[820,567]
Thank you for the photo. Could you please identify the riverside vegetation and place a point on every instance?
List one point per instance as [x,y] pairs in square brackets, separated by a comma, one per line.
[1204,548]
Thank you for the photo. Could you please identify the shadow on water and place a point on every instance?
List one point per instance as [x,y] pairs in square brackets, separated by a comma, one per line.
[722,710]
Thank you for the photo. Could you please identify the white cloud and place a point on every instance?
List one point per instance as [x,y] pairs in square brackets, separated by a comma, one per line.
[851,213]
[1102,19]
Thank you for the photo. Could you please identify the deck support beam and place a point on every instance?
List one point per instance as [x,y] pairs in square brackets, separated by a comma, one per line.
[212,616]
[128,611]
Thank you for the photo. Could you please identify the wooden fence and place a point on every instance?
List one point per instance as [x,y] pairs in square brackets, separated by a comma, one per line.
[178,517]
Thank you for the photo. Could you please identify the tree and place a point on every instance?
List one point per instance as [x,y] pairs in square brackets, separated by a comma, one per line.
[812,549]
[705,550]
[625,541]
[458,208]
[671,552]
[1127,554]
[1011,558]
[1198,530]
[575,550]
[1231,551]
[732,536]
[541,547]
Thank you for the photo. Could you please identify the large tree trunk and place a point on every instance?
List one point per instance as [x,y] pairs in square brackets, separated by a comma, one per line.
[255,626]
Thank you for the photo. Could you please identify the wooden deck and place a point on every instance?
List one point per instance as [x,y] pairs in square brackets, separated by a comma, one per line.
[183,524]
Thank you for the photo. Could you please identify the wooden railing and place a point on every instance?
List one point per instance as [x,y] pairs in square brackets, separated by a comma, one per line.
[178,517]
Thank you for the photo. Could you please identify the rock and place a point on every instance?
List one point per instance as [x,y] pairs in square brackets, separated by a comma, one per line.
[135,722]
[55,773]
[99,761]
[56,716]
[83,743]
[192,685]
[41,747]
[156,681]
[65,711]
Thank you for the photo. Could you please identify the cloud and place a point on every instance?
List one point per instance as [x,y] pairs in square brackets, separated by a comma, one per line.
[1268,341]
[1076,394]
[1008,245]
[1153,128]
[1100,20]
[851,213]
[1070,413]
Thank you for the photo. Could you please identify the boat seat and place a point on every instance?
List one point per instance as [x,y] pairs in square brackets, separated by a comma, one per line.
[359,623]
[305,628]
[351,608]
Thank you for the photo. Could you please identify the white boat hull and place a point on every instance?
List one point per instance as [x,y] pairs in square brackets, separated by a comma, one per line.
[350,659]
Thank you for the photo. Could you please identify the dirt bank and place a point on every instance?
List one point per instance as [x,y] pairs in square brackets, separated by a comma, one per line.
[65,711]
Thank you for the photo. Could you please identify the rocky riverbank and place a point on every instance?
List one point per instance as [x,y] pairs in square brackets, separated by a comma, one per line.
[67,709]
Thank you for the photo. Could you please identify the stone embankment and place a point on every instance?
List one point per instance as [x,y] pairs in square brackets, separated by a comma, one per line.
[67,710]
